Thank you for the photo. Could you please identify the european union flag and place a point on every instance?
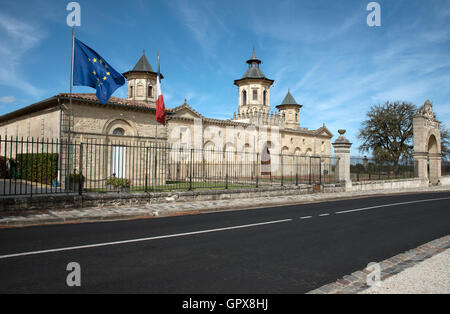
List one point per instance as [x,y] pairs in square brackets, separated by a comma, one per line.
[90,69]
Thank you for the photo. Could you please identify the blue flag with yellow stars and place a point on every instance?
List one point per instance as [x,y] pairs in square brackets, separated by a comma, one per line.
[90,69]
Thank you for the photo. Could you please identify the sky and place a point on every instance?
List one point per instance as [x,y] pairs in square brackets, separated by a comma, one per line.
[334,64]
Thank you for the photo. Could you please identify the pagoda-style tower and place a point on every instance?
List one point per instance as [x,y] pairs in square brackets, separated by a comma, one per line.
[290,112]
[141,81]
[254,89]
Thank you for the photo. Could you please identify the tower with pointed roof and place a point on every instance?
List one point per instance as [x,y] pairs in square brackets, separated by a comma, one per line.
[254,89]
[141,81]
[290,112]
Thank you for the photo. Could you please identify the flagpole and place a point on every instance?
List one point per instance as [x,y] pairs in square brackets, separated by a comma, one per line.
[156,154]
[156,130]
[70,105]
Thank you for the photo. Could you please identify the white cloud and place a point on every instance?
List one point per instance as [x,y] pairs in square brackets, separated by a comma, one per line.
[16,39]
[7,99]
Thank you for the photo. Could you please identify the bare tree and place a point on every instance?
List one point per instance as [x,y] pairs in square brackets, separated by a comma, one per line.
[445,143]
[388,131]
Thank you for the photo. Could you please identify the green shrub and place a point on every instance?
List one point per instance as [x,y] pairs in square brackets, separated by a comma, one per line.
[3,167]
[118,182]
[39,167]
[75,178]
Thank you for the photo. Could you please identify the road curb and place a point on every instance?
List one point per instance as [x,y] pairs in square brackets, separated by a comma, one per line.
[357,281]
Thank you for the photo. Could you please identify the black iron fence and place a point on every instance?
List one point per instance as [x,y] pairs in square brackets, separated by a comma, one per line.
[365,169]
[36,166]
[445,168]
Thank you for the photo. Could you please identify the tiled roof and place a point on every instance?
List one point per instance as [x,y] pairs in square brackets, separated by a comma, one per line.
[112,101]
[254,72]
[289,100]
[143,65]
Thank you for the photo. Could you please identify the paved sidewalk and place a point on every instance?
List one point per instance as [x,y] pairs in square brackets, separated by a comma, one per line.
[431,276]
[172,207]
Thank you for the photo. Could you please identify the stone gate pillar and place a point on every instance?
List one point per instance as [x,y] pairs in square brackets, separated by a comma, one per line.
[427,144]
[342,159]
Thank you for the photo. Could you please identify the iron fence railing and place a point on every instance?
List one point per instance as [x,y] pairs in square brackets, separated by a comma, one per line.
[445,168]
[37,166]
[365,169]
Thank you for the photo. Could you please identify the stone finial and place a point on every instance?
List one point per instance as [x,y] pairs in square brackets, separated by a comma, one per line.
[427,110]
[342,139]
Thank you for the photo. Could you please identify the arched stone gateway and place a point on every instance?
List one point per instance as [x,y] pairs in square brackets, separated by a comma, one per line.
[427,148]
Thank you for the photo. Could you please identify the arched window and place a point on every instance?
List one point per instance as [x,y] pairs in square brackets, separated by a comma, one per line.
[255,94]
[131,91]
[150,91]
[264,98]
[119,131]
[244,98]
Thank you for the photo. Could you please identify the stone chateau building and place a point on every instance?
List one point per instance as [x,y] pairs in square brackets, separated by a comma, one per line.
[115,131]
[133,119]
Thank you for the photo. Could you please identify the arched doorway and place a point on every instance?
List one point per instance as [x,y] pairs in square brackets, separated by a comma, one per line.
[118,156]
[265,160]
[434,160]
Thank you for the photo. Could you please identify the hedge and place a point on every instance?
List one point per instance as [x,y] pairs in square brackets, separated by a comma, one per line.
[3,167]
[42,168]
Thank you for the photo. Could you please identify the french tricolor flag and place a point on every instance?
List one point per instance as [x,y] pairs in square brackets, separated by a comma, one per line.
[160,108]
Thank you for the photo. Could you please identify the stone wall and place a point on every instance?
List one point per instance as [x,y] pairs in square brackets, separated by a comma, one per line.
[386,185]
[42,124]
[445,180]
[62,201]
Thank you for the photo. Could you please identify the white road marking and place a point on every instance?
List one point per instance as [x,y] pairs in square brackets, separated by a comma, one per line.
[306,217]
[141,239]
[323,215]
[390,205]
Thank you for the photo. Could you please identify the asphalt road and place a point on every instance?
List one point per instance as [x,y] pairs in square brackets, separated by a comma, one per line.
[290,249]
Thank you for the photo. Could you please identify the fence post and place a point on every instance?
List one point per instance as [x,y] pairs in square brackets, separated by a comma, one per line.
[320,170]
[80,178]
[190,170]
[296,171]
[282,170]
[146,169]
[257,169]
[310,169]
[156,166]
[226,169]
[31,177]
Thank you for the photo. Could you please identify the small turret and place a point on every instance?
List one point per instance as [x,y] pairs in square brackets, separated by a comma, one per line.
[141,81]
[290,112]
